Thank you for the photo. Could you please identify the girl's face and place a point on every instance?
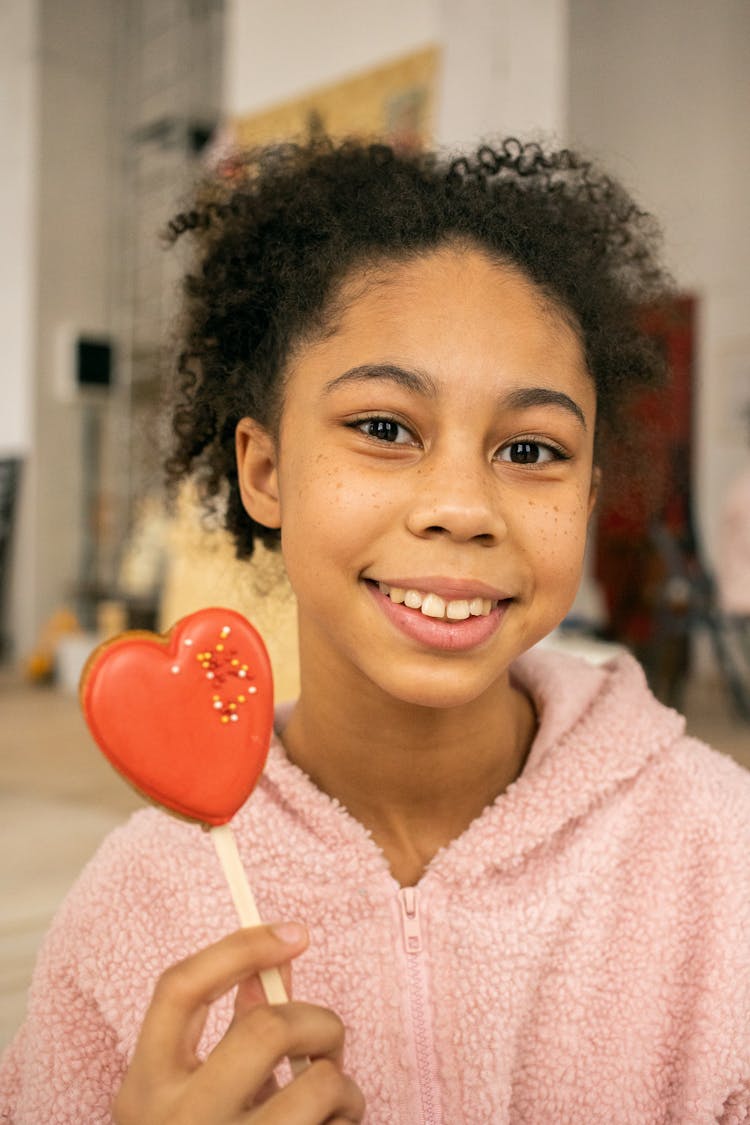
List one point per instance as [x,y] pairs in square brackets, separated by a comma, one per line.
[436,446]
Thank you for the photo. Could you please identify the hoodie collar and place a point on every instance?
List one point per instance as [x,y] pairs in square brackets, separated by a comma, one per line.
[598,727]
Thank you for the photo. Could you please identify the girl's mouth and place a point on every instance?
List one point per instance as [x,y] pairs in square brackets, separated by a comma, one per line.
[432,605]
[436,622]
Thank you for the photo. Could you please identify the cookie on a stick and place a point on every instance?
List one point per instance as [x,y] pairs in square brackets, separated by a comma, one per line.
[186,717]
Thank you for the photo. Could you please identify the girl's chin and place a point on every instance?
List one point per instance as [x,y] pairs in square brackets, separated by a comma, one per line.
[439,692]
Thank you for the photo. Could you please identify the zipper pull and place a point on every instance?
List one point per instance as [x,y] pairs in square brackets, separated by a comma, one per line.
[412,933]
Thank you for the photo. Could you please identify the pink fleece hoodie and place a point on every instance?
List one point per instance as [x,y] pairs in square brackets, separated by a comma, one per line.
[581,954]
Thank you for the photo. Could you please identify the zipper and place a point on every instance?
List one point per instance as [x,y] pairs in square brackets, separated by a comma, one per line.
[412,931]
[417,982]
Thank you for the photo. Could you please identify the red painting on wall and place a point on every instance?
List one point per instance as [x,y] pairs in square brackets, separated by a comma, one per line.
[635,530]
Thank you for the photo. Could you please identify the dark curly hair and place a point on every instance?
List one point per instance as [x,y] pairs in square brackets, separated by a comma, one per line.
[278,233]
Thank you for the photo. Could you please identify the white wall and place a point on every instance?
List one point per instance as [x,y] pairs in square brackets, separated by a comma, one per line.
[64,269]
[18,90]
[18,188]
[275,51]
[75,243]
[505,66]
[662,92]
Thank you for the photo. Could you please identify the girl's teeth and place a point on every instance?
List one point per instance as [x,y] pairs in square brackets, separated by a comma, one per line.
[432,605]
[457,611]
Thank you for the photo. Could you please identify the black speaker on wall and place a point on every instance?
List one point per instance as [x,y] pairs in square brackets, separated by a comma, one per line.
[94,363]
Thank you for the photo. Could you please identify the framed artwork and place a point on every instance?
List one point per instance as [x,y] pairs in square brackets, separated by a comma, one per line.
[395,102]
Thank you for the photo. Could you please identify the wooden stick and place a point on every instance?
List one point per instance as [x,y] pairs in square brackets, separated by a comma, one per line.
[244,901]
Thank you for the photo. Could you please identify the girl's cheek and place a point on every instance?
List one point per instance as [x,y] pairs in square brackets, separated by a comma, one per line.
[558,532]
[323,492]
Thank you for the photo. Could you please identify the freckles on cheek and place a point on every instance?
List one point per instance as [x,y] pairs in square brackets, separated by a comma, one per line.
[354,505]
[557,536]
[321,493]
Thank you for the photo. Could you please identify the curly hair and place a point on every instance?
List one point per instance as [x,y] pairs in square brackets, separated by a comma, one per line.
[278,234]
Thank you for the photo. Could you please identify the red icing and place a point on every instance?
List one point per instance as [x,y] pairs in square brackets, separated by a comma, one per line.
[176,716]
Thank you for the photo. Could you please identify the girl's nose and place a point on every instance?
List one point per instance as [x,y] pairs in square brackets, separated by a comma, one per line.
[458,502]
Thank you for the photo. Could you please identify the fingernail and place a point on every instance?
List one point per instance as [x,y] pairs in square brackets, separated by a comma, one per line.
[290,932]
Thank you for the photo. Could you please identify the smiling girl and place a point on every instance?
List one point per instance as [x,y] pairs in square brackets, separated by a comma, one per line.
[515,882]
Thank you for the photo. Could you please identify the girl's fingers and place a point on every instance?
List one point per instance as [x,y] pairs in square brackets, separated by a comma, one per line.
[235,1083]
[175,1018]
[250,991]
[322,1093]
[249,994]
[240,1065]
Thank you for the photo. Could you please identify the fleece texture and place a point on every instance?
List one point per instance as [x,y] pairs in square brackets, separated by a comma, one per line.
[581,953]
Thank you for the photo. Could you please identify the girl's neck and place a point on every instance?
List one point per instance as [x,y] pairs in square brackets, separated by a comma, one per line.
[416,777]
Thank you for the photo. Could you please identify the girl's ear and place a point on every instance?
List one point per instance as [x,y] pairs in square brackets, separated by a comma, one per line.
[257,472]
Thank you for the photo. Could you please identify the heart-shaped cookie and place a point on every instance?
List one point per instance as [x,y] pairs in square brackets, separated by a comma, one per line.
[185,717]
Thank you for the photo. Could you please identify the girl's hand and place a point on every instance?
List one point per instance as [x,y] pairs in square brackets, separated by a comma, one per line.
[168,1085]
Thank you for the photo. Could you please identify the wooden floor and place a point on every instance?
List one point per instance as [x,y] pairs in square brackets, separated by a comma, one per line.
[58,798]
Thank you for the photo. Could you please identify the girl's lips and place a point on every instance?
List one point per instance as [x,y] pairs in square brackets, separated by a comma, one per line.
[448,588]
[450,636]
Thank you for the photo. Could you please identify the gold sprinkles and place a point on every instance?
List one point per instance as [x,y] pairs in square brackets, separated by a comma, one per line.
[220,666]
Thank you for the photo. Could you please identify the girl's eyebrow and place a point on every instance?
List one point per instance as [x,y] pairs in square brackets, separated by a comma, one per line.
[523,398]
[412,380]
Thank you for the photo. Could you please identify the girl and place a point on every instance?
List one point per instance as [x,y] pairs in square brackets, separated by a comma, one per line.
[510,877]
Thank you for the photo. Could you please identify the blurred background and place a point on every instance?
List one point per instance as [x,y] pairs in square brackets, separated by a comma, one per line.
[109,108]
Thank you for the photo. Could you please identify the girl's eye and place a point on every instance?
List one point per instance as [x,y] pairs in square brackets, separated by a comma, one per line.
[384,429]
[530,453]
